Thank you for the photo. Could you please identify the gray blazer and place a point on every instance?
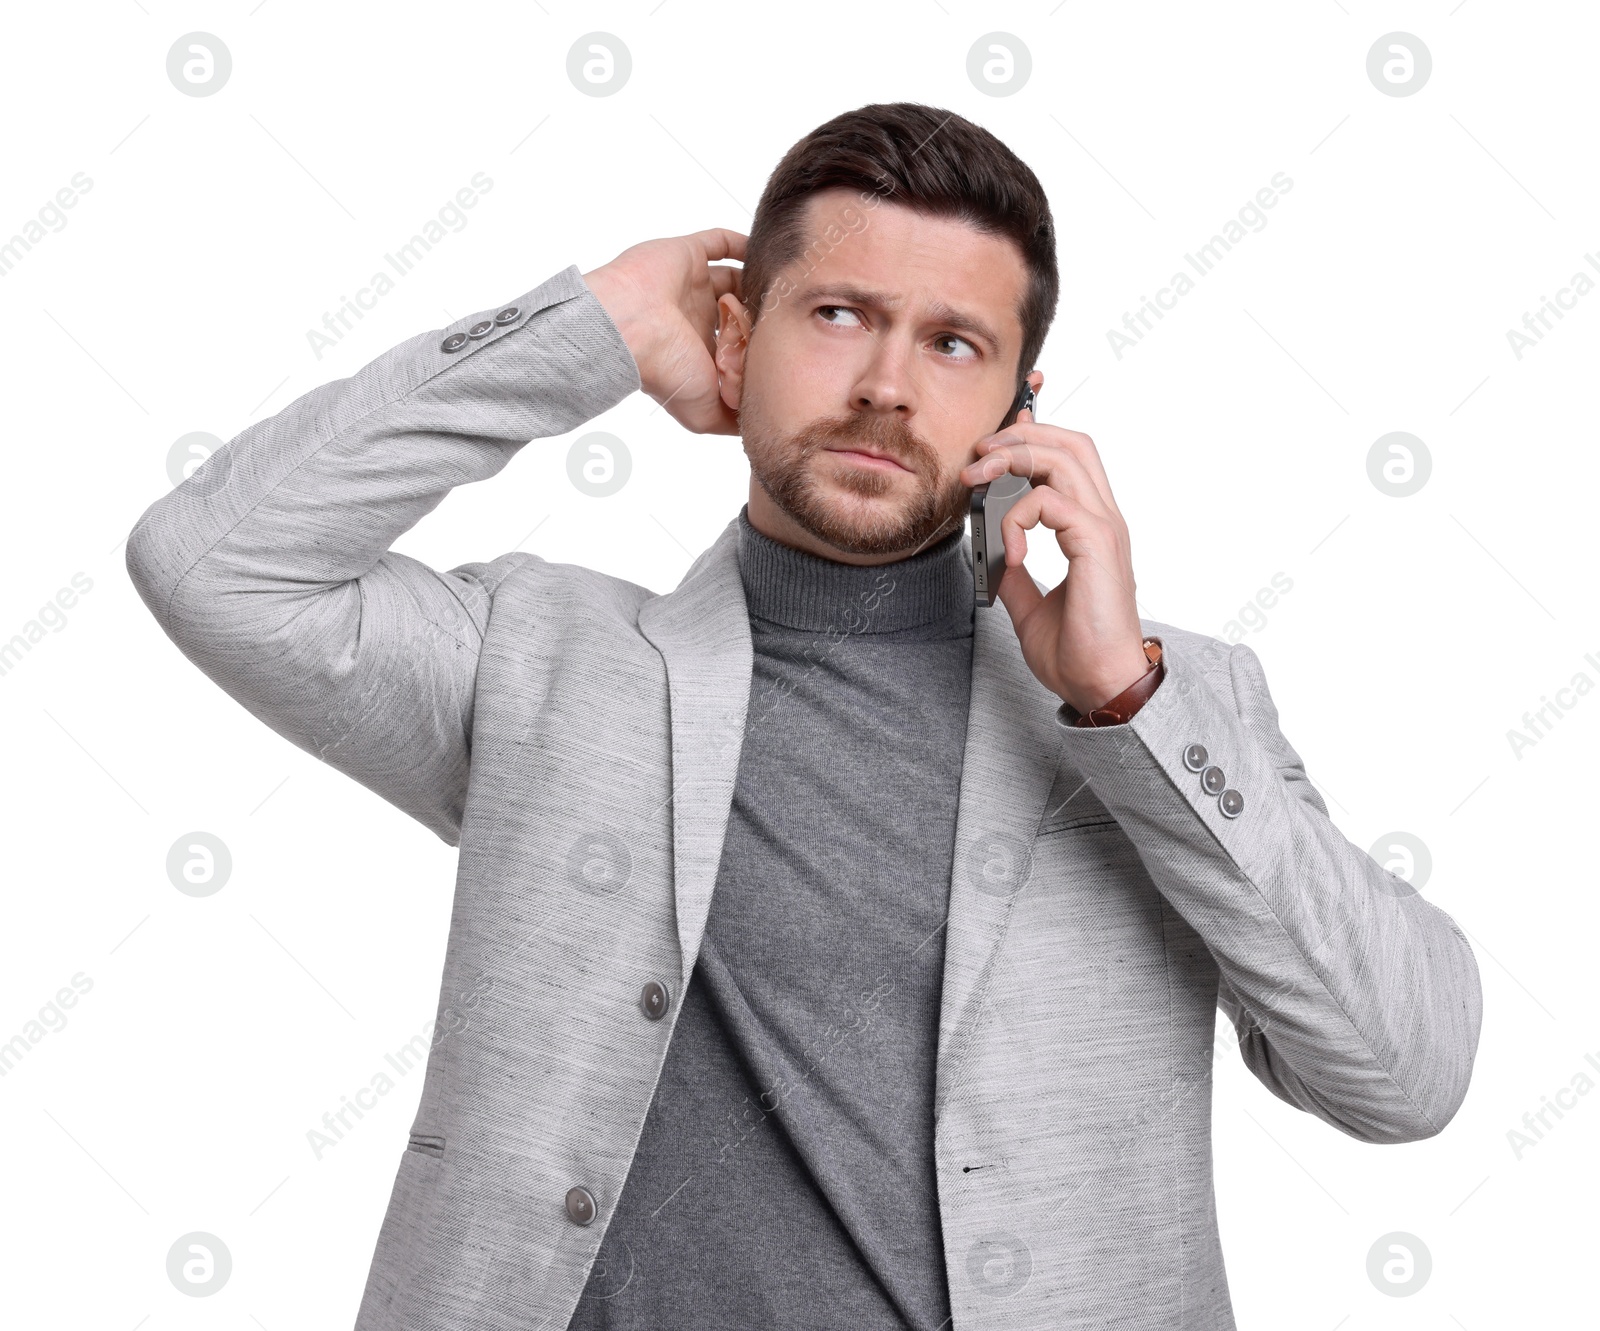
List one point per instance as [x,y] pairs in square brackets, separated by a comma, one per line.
[577,736]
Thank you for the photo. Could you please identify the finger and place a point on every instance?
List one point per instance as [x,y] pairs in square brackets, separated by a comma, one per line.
[1017,590]
[1081,446]
[1035,381]
[1083,534]
[1077,525]
[1073,442]
[1018,593]
[1043,465]
[720,243]
[706,317]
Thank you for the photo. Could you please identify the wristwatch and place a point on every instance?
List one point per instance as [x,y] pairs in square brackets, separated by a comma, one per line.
[1121,708]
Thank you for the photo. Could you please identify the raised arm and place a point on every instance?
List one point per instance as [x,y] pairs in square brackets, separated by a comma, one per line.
[271,566]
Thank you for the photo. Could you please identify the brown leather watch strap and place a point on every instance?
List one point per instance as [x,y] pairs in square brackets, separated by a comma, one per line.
[1121,708]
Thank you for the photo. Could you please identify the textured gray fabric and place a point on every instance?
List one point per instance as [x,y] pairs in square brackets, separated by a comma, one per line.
[578,736]
[791,1133]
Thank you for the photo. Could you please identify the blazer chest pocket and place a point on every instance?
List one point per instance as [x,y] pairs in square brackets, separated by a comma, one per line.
[1088,924]
[1086,822]
[1093,850]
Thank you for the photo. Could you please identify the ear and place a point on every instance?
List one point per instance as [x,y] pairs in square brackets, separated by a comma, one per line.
[733,341]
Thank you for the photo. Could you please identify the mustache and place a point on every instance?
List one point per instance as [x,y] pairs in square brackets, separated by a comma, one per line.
[884,434]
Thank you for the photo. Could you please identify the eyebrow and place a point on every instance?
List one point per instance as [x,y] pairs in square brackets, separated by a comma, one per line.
[938,312]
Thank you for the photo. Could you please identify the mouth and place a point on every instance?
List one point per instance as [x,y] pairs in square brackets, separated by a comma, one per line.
[869,457]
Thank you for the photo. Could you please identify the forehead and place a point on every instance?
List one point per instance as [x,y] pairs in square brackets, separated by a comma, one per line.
[911,258]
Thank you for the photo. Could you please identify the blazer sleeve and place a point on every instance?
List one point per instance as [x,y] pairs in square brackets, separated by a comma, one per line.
[271,567]
[1353,997]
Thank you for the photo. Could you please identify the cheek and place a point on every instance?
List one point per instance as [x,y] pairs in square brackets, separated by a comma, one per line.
[952,458]
[954,429]
[796,383]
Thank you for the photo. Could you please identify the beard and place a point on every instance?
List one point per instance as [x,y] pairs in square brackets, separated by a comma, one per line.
[786,468]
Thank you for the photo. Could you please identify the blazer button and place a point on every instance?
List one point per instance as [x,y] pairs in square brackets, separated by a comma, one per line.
[653,1000]
[1194,757]
[454,342]
[580,1206]
[1231,802]
[509,315]
[1213,780]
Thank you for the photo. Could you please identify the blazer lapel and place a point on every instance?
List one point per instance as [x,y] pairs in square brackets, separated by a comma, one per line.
[702,630]
[1012,751]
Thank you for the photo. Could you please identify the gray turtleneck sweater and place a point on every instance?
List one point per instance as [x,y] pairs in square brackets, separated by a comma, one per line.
[785,1176]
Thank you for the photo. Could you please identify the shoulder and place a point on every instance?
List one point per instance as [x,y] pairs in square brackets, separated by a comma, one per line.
[522,576]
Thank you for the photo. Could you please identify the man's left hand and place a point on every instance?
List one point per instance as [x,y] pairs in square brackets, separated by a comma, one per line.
[1082,640]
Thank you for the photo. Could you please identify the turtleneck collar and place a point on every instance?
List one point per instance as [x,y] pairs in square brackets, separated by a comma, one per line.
[798,590]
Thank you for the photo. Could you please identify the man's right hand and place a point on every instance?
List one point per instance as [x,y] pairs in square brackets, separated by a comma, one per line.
[662,295]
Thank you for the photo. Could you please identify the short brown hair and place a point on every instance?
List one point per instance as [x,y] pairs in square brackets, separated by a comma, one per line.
[923,158]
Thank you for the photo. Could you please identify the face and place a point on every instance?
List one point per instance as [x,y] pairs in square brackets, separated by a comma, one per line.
[878,362]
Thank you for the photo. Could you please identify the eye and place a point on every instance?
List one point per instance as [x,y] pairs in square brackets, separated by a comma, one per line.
[850,315]
[970,353]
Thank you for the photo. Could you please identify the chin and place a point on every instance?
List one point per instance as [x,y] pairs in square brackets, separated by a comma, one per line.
[897,520]
[851,508]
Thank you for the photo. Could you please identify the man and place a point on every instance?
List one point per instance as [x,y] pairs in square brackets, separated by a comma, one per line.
[826,952]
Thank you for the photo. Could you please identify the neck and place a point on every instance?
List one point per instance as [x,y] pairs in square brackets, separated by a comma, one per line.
[926,594]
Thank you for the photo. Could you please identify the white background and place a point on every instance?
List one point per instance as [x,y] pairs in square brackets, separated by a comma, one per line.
[1418,630]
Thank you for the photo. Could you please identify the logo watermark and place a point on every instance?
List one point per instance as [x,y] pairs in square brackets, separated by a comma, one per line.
[599,464]
[199,864]
[199,1264]
[413,1054]
[1405,857]
[1538,324]
[1252,616]
[198,64]
[999,63]
[825,242]
[1399,1264]
[52,615]
[52,216]
[1541,722]
[1537,1122]
[1399,64]
[52,1020]
[598,64]
[452,215]
[1399,464]
[1203,260]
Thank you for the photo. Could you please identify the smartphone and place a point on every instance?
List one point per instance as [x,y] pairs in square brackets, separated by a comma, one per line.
[990,503]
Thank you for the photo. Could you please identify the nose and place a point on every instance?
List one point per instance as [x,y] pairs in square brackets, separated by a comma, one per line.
[885,383]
